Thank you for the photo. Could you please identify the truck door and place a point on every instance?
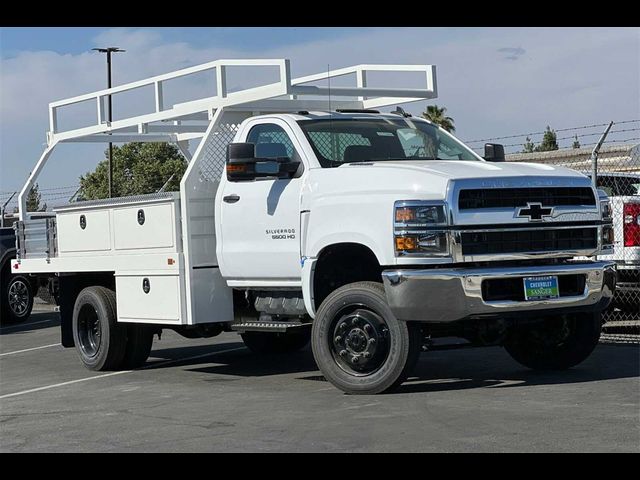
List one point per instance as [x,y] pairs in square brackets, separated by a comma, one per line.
[260,219]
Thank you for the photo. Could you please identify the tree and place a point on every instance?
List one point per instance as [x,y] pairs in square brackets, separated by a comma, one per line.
[549,141]
[529,146]
[34,200]
[138,169]
[576,143]
[438,116]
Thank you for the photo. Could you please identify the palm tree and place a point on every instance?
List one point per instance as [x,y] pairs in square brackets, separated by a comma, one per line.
[437,115]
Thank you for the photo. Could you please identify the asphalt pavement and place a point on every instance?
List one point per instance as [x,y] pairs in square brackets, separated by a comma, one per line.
[215,395]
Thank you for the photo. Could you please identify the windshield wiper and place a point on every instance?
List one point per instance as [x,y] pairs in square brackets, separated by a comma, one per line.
[408,158]
[369,161]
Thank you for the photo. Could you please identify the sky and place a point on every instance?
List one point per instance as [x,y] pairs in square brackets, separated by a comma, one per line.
[493,81]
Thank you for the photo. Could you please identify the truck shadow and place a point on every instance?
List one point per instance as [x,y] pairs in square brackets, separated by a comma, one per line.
[436,371]
[246,364]
[37,321]
[494,368]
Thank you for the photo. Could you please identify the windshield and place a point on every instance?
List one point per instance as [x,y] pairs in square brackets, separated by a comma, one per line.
[340,141]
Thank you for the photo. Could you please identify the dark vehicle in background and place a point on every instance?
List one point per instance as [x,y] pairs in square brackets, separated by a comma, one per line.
[16,291]
[623,190]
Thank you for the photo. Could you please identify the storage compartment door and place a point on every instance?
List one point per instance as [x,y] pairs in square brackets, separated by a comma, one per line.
[84,232]
[140,227]
[149,299]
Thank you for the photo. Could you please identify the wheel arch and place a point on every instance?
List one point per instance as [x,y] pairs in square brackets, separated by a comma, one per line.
[335,265]
[70,285]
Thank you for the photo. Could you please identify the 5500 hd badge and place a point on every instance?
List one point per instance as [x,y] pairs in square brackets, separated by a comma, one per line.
[282,233]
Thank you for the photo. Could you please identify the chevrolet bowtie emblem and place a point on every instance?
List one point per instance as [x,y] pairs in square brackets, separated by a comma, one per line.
[535,211]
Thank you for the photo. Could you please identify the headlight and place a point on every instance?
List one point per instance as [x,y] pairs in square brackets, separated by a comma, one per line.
[416,228]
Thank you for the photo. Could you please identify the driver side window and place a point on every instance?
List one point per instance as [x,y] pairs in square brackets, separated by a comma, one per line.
[271,141]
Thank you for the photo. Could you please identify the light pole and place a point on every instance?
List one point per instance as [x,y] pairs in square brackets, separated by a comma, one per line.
[109,51]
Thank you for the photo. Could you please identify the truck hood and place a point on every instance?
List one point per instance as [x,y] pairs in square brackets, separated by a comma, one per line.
[456,169]
[354,203]
[430,179]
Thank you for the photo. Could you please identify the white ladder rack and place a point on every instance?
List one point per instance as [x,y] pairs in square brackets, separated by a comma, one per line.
[182,122]
[285,95]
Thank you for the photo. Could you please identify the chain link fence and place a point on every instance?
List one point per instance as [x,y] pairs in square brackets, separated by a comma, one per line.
[618,174]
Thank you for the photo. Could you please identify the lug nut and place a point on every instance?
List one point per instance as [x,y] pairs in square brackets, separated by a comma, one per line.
[372,341]
[343,326]
[355,359]
[354,321]
[338,339]
[367,355]
[343,353]
[367,328]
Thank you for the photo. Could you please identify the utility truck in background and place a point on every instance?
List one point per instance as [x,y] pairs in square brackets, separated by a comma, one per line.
[307,215]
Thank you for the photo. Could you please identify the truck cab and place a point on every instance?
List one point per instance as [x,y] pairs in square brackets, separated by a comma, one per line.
[369,234]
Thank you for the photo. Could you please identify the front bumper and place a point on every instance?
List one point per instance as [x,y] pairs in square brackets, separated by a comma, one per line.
[447,295]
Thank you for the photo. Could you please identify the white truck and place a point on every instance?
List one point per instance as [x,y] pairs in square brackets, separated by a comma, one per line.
[623,190]
[305,214]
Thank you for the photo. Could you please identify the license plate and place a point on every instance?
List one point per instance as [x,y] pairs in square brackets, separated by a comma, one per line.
[541,288]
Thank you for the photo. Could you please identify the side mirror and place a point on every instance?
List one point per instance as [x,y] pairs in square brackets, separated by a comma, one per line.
[493,152]
[242,164]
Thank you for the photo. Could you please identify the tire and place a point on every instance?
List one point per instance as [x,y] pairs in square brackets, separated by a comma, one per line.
[100,341]
[138,348]
[345,325]
[557,344]
[265,343]
[17,298]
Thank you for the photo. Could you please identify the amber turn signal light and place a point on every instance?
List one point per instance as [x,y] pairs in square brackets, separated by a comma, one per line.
[404,215]
[406,243]
[237,168]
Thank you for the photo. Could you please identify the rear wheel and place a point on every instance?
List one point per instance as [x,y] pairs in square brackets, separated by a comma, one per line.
[100,341]
[267,343]
[557,343]
[17,298]
[359,345]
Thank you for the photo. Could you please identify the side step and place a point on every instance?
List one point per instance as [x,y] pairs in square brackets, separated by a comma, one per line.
[275,327]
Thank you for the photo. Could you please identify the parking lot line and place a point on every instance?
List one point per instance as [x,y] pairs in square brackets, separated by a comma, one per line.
[30,349]
[104,375]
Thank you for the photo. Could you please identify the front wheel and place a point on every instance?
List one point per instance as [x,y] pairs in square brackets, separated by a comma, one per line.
[359,345]
[556,343]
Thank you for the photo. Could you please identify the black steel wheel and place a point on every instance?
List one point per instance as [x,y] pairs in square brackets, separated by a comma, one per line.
[17,301]
[89,330]
[359,345]
[100,341]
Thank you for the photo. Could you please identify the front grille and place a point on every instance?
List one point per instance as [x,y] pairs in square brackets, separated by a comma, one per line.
[519,197]
[513,288]
[523,241]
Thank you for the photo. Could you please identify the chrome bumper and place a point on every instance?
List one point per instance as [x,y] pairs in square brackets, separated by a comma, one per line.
[447,295]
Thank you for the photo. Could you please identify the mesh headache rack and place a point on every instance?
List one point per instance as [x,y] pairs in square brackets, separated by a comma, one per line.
[178,123]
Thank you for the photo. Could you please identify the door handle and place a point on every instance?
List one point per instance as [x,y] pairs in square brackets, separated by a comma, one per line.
[231,198]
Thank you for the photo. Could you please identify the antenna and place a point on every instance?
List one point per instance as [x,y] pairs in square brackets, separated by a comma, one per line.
[329,81]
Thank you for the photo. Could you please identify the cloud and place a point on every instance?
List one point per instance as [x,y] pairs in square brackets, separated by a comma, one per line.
[513,53]
[486,96]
